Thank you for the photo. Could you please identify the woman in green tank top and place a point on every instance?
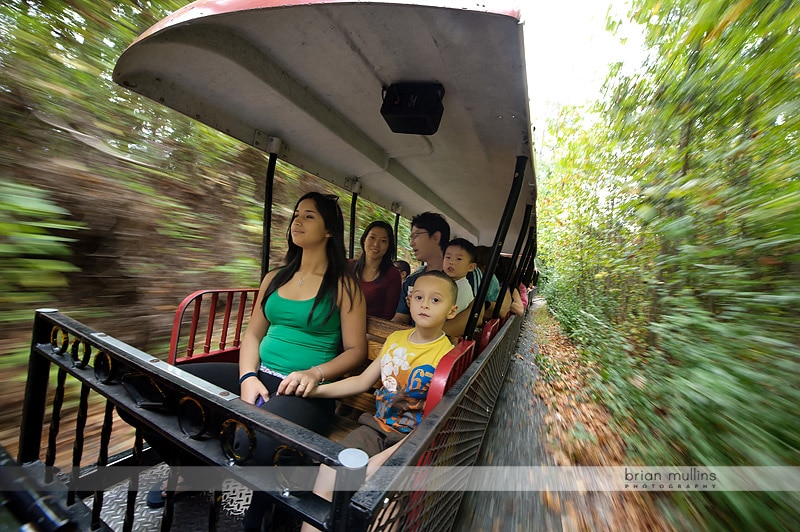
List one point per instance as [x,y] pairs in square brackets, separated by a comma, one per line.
[309,326]
[308,308]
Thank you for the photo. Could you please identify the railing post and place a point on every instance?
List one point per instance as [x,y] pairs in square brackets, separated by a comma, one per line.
[240,317]
[353,203]
[102,461]
[528,254]
[30,435]
[497,245]
[505,283]
[212,317]
[223,341]
[397,209]
[530,263]
[523,265]
[273,145]
[349,477]
[193,327]
[55,425]
[77,446]
[355,188]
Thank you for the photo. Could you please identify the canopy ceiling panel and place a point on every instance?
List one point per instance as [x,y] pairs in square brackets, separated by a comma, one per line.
[313,75]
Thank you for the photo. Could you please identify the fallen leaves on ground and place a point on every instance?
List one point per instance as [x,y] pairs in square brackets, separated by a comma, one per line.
[579,432]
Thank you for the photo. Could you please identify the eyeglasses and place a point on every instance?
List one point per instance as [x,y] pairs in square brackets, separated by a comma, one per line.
[332,197]
[418,234]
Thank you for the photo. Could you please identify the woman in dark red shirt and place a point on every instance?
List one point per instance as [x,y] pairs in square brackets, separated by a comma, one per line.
[375,271]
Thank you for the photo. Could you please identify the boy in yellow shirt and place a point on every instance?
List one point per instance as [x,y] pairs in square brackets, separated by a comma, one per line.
[406,366]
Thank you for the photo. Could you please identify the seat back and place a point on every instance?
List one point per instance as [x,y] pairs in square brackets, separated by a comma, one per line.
[208,325]
[490,328]
[448,371]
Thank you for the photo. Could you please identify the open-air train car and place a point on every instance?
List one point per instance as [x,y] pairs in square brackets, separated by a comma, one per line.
[414,107]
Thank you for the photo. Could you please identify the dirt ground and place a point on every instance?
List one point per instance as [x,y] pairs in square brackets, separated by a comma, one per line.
[551,421]
[578,432]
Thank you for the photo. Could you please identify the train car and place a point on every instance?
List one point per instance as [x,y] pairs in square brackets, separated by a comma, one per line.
[411,106]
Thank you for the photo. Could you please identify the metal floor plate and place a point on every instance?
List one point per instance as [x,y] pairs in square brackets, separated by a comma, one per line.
[191,509]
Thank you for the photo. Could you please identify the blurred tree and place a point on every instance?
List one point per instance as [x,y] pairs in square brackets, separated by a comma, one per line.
[671,236]
[143,204]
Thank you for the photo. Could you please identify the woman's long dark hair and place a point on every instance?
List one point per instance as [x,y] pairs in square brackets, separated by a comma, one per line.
[387,261]
[328,207]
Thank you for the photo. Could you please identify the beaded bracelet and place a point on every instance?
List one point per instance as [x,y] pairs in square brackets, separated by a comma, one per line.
[247,376]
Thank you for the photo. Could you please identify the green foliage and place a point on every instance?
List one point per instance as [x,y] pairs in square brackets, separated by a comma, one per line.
[146,205]
[670,243]
[32,257]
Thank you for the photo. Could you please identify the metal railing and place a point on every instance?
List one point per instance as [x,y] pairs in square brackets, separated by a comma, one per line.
[196,419]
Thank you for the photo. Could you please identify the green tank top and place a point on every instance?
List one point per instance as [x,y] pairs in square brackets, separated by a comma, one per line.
[292,343]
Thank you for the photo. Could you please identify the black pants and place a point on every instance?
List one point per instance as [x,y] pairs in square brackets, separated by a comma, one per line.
[313,414]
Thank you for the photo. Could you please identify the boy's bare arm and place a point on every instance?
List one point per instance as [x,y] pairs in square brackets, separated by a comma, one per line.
[351,385]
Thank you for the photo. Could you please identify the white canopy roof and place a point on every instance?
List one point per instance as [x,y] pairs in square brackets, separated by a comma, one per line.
[312,74]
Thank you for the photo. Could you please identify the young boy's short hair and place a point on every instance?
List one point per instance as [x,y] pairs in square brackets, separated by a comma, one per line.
[403,266]
[451,283]
[467,246]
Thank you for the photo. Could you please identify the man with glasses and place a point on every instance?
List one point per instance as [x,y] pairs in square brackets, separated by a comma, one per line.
[430,234]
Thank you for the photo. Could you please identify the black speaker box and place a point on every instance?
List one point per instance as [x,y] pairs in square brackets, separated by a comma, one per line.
[413,108]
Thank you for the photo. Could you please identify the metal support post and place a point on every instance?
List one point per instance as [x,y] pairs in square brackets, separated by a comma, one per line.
[510,277]
[497,245]
[349,479]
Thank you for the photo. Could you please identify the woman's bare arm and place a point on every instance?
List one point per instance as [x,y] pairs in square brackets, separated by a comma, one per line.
[249,358]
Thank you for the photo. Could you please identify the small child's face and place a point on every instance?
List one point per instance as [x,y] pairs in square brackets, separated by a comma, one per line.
[431,302]
[457,263]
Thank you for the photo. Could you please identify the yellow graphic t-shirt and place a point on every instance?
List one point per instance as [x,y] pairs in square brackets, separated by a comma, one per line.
[406,372]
